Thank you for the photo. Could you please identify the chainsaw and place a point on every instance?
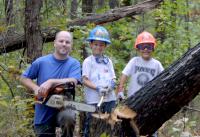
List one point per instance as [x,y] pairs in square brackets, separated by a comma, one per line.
[62,96]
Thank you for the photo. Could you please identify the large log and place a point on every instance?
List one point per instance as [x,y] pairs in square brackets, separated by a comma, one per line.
[161,98]
[9,43]
[118,13]
[14,42]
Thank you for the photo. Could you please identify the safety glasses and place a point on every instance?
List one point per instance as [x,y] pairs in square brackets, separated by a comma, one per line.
[148,46]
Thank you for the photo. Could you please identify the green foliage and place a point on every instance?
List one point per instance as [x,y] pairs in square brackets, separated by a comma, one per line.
[15,120]
[16,113]
[121,48]
[104,135]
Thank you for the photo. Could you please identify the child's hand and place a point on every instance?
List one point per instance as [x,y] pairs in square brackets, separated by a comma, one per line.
[102,91]
[120,95]
[112,84]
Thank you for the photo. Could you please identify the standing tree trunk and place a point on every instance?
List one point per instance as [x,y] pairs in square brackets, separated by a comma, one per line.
[100,3]
[9,15]
[113,3]
[160,34]
[74,7]
[161,98]
[64,3]
[87,7]
[33,35]
[126,2]
[135,1]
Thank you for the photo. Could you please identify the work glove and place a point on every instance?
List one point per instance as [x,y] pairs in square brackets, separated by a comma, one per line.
[120,95]
[102,90]
[111,86]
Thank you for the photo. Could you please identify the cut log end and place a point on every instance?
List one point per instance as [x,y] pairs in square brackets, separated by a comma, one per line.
[119,112]
[122,112]
[120,115]
[102,116]
[125,112]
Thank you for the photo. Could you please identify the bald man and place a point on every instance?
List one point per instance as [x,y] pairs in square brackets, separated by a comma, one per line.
[50,70]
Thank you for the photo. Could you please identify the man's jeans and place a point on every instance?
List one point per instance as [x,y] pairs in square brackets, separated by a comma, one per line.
[65,120]
[106,107]
[47,129]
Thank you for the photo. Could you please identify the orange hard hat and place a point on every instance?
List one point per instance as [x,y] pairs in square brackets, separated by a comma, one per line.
[145,37]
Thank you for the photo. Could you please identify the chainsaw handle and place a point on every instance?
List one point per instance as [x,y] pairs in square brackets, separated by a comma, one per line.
[39,101]
[57,89]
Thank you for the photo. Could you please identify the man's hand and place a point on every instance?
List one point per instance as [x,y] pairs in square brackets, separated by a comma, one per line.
[43,90]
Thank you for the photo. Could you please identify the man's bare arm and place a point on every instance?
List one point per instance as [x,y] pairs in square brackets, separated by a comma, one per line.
[62,81]
[33,87]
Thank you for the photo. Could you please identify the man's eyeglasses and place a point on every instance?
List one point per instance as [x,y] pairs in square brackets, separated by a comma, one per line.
[149,47]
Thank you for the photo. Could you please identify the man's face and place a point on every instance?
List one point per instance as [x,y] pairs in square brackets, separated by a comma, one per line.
[63,43]
[98,47]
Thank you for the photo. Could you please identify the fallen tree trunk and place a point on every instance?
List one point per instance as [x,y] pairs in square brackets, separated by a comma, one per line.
[9,43]
[118,13]
[14,42]
[161,98]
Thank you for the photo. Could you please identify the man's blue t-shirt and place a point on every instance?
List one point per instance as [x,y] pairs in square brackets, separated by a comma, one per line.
[48,67]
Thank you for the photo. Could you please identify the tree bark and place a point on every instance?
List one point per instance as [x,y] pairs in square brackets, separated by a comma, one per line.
[160,34]
[32,29]
[64,3]
[9,15]
[87,7]
[74,7]
[100,3]
[126,2]
[113,3]
[118,13]
[17,41]
[135,1]
[161,98]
